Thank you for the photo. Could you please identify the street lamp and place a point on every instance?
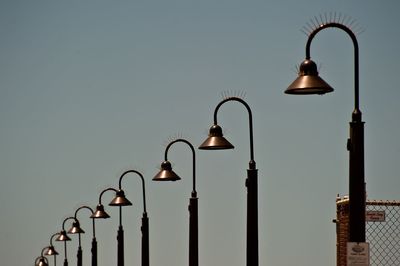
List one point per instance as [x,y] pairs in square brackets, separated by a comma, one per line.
[51,251]
[100,213]
[145,220]
[166,174]
[75,229]
[216,141]
[41,261]
[308,82]
[62,236]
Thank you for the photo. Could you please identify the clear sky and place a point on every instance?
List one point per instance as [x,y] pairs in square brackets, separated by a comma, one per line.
[91,88]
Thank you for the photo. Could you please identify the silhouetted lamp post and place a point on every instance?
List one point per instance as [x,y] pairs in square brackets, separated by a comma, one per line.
[41,261]
[145,220]
[166,174]
[51,251]
[216,141]
[75,229]
[308,82]
[62,236]
[100,213]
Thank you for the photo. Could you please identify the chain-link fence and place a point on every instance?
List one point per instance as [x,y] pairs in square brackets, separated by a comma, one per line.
[382,231]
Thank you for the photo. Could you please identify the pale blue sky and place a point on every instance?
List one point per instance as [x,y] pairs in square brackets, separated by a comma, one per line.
[90,89]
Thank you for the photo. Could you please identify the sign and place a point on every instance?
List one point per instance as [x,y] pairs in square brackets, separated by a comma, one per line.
[375,216]
[357,254]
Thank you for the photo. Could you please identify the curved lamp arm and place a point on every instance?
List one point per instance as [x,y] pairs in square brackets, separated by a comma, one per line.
[252,163]
[143,185]
[50,249]
[107,189]
[66,219]
[92,211]
[43,249]
[194,159]
[357,113]
[51,238]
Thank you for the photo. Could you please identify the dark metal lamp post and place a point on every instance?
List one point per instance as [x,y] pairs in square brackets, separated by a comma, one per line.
[308,82]
[41,261]
[145,220]
[216,141]
[94,241]
[100,213]
[76,229]
[166,174]
[51,251]
[62,236]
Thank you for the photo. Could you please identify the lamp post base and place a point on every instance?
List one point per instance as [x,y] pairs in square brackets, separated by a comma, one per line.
[193,231]
[145,240]
[120,240]
[94,252]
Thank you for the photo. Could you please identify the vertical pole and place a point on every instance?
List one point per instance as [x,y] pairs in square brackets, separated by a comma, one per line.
[145,240]
[193,231]
[120,240]
[94,252]
[252,215]
[65,252]
[79,256]
[356,182]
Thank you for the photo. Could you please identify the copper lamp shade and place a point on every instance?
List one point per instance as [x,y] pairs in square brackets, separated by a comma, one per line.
[100,213]
[308,81]
[51,251]
[120,199]
[63,236]
[216,140]
[76,228]
[166,173]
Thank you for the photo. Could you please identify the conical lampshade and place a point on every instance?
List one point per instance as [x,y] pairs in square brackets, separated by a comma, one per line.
[63,236]
[100,212]
[308,81]
[216,140]
[76,228]
[166,173]
[51,251]
[120,199]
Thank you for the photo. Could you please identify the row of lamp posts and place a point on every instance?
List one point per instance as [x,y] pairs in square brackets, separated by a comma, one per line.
[215,141]
[308,82]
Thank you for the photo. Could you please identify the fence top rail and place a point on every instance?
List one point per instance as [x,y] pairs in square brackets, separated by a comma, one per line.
[345,200]
[383,202]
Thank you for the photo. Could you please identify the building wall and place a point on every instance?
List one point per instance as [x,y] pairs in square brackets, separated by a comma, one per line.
[342,230]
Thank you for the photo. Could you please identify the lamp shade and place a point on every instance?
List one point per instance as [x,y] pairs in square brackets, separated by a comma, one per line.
[166,173]
[100,212]
[216,140]
[51,251]
[63,236]
[308,81]
[76,228]
[120,199]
